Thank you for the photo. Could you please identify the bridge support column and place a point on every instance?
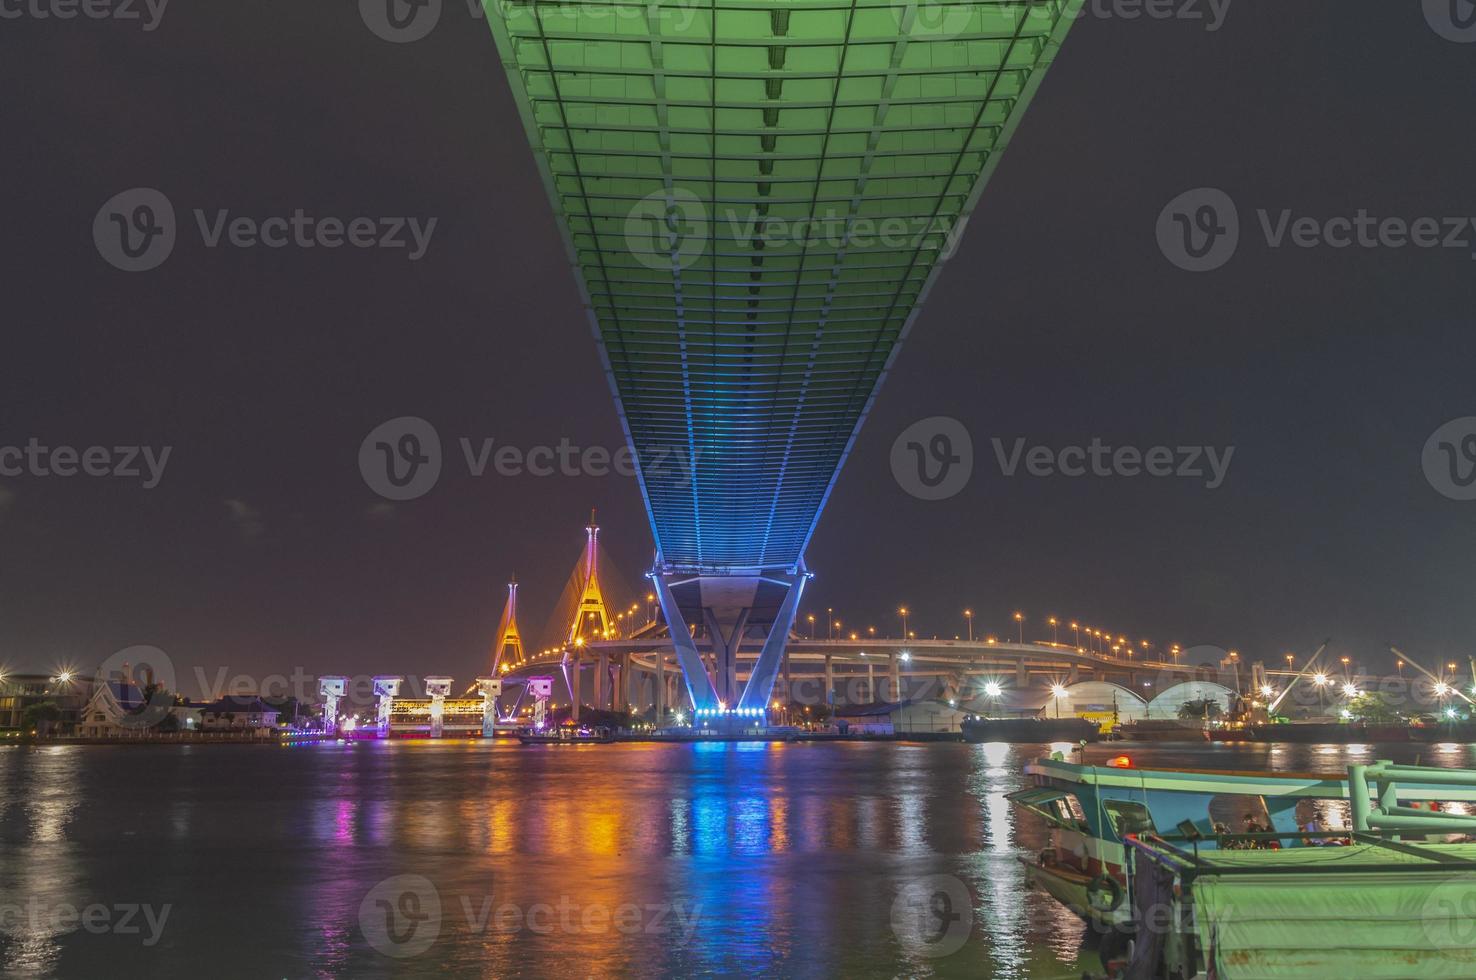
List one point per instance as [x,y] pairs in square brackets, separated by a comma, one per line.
[659,682]
[871,683]
[896,672]
[725,654]
[755,699]
[694,672]
[1022,675]
[829,695]
[602,680]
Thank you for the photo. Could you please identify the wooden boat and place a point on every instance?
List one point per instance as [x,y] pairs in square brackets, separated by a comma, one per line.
[1092,810]
[566,736]
[1389,898]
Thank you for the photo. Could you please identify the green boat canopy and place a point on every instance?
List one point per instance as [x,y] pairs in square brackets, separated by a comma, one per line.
[1296,922]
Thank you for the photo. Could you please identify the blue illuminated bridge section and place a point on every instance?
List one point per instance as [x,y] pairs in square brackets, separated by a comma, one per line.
[756,196]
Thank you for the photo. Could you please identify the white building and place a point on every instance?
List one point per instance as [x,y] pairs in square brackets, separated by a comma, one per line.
[117,709]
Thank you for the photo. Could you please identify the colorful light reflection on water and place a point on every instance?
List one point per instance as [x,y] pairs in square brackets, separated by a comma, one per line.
[595,860]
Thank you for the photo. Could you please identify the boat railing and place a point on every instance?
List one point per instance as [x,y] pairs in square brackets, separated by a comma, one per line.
[1373,798]
[1183,856]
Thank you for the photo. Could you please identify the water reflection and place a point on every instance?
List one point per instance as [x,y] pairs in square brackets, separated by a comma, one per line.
[734,859]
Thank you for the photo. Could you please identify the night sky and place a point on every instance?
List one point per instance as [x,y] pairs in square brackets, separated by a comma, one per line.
[1059,320]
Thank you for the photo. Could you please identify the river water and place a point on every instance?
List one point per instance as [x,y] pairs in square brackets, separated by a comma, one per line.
[477,859]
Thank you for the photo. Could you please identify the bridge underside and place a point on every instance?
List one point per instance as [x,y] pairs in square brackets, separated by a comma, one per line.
[756,196]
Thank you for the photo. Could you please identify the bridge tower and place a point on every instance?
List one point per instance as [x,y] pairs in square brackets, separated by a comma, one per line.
[591,618]
[509,640]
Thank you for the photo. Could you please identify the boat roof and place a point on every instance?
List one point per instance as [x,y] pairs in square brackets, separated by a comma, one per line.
[1295,784]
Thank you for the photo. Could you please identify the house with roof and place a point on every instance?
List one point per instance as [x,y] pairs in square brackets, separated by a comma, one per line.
[246,714]
[117,708]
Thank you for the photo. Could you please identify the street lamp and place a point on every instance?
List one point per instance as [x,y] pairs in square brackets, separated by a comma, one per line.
[1051,622]
[811,618]
[829,623]
[1076,633]
[903,611]
[969,615]
[1020,623]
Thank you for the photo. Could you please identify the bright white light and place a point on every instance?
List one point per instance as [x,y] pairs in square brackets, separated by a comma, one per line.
[1346,713]
[1350,690]
[993,689]
[1320,680]
[1266,690]
[906,656]
[1442,689]
[1058,690]
[1450,712]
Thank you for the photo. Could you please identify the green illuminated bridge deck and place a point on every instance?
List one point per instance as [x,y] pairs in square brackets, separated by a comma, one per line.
[756,196]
